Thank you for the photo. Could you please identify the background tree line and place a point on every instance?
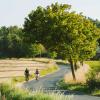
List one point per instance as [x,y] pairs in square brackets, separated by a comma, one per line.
[12,43]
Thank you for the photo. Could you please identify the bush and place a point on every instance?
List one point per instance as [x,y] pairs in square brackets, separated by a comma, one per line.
[93,76]
[62,85]
[53,54]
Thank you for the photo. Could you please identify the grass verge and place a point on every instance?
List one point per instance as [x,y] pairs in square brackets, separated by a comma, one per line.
[73,86]
[80,87]
[93,64]
[94,77]
[12,93]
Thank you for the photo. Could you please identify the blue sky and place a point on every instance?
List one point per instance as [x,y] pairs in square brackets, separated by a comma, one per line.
[13,12]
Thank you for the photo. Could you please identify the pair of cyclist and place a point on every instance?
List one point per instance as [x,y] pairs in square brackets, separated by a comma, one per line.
[27,74]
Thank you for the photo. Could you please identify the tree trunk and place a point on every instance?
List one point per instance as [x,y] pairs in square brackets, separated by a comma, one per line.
[72,69]
[75,65]
[82,62]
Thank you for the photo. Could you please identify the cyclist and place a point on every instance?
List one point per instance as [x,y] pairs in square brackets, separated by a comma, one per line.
[26,74]
[36,74]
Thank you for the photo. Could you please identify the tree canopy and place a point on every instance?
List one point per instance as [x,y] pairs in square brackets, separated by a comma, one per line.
[71,35]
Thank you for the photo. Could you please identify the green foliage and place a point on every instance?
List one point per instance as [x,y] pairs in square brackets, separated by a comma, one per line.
[92,81]
[62,85]
[93,64]
[11,39]
[53,54]
[12,44]
[93,76]
[18,94]
[79,87]
[62,31]
[54,27]
[96,22]
[96,92]
[70,35]
[36,49]
[73,86]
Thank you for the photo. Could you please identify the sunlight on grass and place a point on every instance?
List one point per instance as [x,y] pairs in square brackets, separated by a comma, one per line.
[93,63]
[12,93]
[72,86]
[96,92]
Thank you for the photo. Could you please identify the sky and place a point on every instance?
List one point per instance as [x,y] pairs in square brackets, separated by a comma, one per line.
[13,12]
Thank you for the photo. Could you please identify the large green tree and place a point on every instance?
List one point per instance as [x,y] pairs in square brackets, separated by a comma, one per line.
[69,34]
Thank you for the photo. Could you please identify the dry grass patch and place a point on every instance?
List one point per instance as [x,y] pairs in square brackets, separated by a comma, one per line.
[10,68]
[80,75]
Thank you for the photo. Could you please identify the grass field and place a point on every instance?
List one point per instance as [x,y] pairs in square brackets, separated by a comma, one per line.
[14,68]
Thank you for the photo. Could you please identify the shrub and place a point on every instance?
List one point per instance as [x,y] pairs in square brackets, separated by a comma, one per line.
[53,54]
[93,77]
[62,85]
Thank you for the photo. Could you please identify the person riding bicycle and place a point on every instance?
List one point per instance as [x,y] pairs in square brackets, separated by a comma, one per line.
[36,74]
[26,74]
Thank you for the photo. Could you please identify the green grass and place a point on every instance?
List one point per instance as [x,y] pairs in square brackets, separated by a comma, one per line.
[18,79]
[96,92]
[94,65]
[48,70]
[73,86]
[12,93]
[21,78]
[43,72]
[94,76]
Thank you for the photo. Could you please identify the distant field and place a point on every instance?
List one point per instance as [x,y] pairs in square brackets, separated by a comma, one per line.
[16,67]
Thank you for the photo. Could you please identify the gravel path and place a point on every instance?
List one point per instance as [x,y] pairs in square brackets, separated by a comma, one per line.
[49,81]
